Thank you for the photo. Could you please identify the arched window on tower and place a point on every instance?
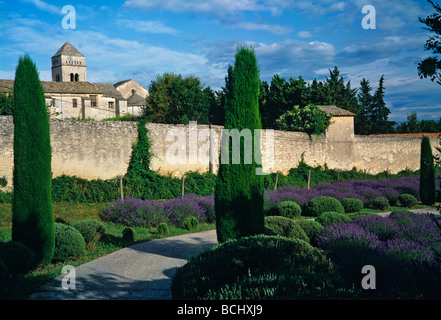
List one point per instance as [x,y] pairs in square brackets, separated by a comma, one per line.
[77,77]
[72,77]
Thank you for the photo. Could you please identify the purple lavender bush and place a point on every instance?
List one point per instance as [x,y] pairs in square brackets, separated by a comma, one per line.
[384,228]
[133,212]
[181,208]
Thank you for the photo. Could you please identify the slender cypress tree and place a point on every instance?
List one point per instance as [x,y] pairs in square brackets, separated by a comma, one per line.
[427,173]
[239,191]
[32,215]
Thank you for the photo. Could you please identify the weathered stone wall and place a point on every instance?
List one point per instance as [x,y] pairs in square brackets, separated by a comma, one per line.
[101,149]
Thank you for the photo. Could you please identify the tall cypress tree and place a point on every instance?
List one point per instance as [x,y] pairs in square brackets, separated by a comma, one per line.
[239,191]
[32,215]
[427,173]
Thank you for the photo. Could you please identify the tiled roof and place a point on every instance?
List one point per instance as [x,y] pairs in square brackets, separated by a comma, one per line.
[109,90]
[136,100]
[56,87]
[336,112]
[68,49]
[70,87]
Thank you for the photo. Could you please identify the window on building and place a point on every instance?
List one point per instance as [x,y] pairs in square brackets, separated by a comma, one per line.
[74,103]
[111,104]
[77,77]
[72,77]
[93,101]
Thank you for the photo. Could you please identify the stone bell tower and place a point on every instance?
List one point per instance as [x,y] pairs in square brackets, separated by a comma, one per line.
[68,65]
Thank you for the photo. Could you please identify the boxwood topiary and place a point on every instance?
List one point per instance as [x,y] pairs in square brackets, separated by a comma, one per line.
[128,235]
[318,205]
[191,223]
[285,227]
[255,255]
[407,200]
[18,257]
[311,228]
[163,228]
[288,209]
[69,243]
[91,230]
[352,205]
[328,218]
[380,203]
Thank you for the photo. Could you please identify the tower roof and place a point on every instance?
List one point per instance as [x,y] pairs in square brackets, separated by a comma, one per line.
[68,49]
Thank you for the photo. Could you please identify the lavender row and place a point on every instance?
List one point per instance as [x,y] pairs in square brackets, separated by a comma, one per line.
[134,212]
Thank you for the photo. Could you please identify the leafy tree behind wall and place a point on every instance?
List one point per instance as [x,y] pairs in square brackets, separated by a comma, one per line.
[239,191]
[32,215]
[6,104]
[175,99]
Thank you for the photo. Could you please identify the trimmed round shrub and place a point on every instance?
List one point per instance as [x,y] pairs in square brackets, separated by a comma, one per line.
[270,286]
[128,235]
[91,230]
[407,200]
[357,215]
[191,223]
[163,228]
[18,258]
[69,243]
[255,255]
[311,228]
[384,228]
[288,209]
[352,205]
[380,203]
[318,205]
[285,227]
[328,218]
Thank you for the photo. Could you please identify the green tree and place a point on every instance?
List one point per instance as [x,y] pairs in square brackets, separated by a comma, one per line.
[32,215]
[380,113]
[6,104]
[139,164]
[174,99]
[309,119]
[427,173]
[365,100]
[239,190]
[431,66]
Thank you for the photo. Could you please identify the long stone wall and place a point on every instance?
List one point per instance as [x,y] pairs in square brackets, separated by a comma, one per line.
[102,149]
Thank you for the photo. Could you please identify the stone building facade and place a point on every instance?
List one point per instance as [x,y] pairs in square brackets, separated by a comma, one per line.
[70,96]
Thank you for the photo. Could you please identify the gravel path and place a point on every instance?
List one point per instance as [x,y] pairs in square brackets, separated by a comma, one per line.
[142,271]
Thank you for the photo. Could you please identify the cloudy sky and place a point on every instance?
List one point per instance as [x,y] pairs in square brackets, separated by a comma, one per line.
[139,39]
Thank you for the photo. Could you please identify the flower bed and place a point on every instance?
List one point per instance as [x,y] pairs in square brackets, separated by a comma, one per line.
[404,248]
[133,212]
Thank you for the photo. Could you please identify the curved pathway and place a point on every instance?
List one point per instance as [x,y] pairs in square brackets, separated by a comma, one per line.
[141,271]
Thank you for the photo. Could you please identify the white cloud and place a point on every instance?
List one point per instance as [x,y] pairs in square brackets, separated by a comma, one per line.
[45,6]
[216,7]
[251,26]
[156,27]
[304,34]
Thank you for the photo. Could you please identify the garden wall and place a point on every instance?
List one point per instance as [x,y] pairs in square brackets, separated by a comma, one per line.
[101,149]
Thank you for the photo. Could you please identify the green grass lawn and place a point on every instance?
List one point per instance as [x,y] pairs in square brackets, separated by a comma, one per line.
[68,213]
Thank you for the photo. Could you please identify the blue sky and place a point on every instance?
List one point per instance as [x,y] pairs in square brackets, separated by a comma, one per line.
[139,39]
